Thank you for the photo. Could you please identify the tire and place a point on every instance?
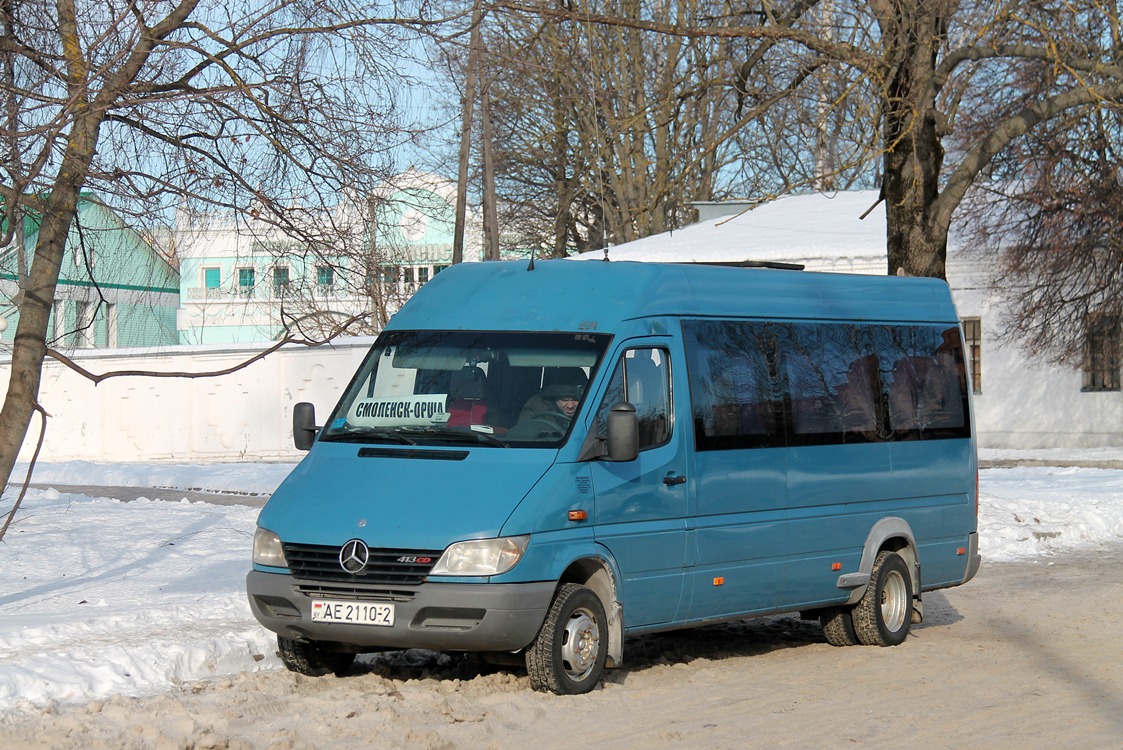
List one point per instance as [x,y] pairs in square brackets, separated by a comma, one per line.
[838,626]
[883,615]
[568,654]
[312,658]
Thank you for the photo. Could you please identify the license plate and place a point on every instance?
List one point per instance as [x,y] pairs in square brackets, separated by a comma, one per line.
[353,613]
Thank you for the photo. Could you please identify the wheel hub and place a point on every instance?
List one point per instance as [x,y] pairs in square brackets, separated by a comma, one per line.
[581,644]
[894,601]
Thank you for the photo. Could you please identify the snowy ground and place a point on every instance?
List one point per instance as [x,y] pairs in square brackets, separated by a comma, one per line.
[100,597]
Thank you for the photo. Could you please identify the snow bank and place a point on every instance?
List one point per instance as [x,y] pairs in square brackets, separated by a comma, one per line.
[100,597]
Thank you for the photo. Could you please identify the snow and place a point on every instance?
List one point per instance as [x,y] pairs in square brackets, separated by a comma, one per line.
[813,228]
[102,597]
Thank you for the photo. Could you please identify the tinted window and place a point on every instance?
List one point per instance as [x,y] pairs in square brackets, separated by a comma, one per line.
[833,389]
[925,381]
[733,384]
[774,384]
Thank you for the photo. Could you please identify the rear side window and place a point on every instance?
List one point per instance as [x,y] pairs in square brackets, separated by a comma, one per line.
[756,385]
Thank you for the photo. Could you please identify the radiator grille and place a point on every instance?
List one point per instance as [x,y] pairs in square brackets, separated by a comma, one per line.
[389,567]
[353,591]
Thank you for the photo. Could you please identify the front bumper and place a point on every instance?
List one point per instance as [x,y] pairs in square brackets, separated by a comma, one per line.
[437,616]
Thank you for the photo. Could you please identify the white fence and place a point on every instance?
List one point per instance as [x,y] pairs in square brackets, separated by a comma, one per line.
[246,415]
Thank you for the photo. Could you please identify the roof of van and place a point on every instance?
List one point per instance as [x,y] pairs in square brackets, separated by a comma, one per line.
[562,295]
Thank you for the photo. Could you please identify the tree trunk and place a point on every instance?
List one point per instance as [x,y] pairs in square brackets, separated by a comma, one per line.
[913,34]
[29,347]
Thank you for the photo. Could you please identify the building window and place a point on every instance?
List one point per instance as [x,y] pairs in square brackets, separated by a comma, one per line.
[438,269]
[59,321]
[973,333]
[212,278]
[407,274]
[325,277]
[1101,353]
[422,274]
[84,325]
[84,256]
[389,275]
[246,280]
[280,279]
[111,325]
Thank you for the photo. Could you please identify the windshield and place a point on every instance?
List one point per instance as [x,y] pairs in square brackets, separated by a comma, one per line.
[488,388]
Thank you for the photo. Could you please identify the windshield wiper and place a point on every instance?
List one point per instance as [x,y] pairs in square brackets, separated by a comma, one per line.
[453,434]
[350,434]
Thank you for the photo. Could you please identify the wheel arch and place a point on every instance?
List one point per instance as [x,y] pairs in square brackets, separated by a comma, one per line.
[597,575]
[890,533]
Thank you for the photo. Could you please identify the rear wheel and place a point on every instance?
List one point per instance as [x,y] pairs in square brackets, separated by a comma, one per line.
[567,657]
[883,614]
[312,658]
[838,626]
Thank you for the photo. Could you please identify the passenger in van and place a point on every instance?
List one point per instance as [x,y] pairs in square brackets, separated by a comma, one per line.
[857,401]
[467,403]
[923,395]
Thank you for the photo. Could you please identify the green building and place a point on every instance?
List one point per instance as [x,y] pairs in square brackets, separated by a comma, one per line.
[115,289]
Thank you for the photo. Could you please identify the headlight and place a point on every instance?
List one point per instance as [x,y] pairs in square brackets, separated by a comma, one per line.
[481,557]
[267,549]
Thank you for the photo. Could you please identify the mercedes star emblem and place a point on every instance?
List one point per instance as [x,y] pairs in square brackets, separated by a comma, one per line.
[353,556]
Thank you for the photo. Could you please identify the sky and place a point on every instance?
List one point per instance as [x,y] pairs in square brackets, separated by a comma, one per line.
[100,597]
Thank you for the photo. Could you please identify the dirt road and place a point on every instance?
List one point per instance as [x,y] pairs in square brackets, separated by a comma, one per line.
[1028,655]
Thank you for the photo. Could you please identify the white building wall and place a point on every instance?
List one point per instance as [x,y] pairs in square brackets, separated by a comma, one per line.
[246,415]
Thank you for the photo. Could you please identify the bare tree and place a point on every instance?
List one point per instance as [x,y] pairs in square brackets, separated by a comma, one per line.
[600,133]
[905,65]
[1052,228]
[278,106]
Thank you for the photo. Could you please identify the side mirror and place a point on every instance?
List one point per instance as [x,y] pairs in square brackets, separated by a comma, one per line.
[304,427]
[623,432]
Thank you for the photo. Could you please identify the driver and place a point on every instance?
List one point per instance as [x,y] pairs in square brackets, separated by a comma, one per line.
[567,404]
[554,408]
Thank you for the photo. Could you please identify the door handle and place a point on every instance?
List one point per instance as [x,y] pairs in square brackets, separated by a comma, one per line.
[672,479]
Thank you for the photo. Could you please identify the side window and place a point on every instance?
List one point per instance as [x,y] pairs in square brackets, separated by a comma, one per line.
[762,385]
[832,377]
[643,379]
[733,384]
[926,381]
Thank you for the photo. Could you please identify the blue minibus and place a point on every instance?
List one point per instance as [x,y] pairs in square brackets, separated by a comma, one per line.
[535,461]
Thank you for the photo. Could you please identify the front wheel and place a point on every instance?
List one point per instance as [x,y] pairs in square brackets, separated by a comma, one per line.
[883,614]
[567,656]
[312,658]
